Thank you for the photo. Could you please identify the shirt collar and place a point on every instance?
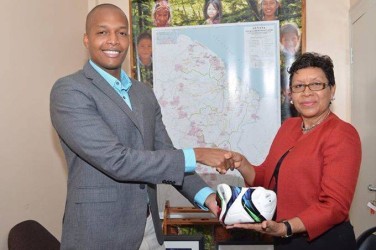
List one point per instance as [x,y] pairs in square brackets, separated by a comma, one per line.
[125,82]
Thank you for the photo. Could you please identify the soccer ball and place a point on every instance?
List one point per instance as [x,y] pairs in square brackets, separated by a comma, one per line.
[245,205]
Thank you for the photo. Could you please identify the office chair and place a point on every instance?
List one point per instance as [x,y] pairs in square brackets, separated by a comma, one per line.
[30,235]
[367,240]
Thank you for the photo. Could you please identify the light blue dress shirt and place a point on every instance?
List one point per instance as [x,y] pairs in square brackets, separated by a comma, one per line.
[122,88]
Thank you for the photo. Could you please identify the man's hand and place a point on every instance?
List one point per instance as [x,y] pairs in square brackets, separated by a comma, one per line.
[211,203]
[217,158]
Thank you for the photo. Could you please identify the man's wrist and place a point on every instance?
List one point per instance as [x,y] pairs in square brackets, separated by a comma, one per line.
[190,160]
[201,197]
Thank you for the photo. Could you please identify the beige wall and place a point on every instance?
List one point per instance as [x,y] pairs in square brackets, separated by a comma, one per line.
[353,2]
[363,78]
[41,41]
[328,33]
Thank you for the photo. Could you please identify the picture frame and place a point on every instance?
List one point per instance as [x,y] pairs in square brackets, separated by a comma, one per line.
[184,242]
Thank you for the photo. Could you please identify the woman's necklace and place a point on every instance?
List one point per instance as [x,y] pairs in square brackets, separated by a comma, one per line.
[305,130]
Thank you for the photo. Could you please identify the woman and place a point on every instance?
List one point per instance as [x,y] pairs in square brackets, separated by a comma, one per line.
[312,165]
[213,12]
[162,14]
[269,10]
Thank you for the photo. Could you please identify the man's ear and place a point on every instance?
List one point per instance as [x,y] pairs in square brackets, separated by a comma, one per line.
[86,40]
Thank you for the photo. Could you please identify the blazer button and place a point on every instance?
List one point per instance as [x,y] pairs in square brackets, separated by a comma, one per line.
[164,181]
[173,182]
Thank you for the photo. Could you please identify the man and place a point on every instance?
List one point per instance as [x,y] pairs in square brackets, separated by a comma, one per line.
[117,148]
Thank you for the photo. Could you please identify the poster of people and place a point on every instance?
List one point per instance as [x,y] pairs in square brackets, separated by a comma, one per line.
[149,14]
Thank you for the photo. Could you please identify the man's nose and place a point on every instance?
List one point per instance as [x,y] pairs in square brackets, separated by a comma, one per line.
[113,38]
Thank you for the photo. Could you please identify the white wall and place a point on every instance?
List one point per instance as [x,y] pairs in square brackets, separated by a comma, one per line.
[41,41]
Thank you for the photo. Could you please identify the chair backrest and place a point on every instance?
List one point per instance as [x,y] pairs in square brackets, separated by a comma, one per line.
[367,240]
[30,235]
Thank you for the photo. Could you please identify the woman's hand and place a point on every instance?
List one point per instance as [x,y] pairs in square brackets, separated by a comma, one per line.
[245,168]
[239,160]
[273,228]
[268,227]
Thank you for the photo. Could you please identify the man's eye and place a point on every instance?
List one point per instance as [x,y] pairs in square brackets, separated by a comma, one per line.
[123,33]
[316,84]
[101,32]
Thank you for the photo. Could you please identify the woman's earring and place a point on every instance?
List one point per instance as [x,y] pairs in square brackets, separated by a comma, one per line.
[291,102]
[332,99]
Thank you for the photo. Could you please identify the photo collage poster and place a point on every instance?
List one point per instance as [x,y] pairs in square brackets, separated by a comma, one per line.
[149,14]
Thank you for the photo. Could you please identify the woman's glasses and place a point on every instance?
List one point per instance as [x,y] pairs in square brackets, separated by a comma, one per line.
[314,86]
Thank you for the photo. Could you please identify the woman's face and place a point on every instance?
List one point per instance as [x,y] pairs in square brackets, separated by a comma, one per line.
[211,11]
[161,17]
[311,104]
[269,7]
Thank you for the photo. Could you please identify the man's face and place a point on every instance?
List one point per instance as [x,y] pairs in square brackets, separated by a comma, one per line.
[107,39]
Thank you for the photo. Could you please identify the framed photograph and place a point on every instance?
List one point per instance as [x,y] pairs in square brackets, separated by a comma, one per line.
[184,242]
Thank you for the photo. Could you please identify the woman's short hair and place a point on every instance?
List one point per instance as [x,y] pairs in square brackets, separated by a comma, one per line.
[315,60]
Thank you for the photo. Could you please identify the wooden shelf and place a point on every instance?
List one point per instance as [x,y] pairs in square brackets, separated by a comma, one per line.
[169,222]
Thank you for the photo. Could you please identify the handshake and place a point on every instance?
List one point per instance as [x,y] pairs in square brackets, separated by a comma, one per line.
[245,205]
[220,159]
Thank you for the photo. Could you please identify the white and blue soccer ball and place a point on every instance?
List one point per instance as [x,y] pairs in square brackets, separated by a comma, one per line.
[245,205]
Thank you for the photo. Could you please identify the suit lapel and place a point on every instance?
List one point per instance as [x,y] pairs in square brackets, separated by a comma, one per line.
[111,93]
